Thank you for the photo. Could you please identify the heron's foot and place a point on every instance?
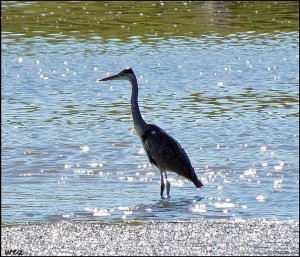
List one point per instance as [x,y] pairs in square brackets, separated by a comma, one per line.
[165,197]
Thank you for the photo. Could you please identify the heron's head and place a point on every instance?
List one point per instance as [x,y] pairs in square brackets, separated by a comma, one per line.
[126,74]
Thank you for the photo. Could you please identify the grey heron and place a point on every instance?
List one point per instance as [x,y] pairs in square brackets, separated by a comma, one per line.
[162,150]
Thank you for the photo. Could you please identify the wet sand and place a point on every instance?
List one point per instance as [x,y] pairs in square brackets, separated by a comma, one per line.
[206,237]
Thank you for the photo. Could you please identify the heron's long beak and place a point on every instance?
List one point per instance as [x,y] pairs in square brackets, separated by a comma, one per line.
[114,77]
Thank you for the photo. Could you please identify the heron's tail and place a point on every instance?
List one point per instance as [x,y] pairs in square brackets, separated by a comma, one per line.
[195,179]
[198,183]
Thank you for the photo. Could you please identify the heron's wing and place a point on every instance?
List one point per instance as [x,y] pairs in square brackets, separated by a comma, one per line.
[165,152]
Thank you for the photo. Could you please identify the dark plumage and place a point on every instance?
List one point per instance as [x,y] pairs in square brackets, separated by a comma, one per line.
[162,150]
[167,154]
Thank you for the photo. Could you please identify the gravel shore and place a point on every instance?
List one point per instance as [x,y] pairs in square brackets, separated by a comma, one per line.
[206,237]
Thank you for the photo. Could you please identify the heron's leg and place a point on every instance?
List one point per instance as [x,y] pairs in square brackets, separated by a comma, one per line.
[168,185]
[162,185]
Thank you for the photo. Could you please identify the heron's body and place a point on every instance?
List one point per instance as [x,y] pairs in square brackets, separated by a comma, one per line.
[162,150]
[166,153]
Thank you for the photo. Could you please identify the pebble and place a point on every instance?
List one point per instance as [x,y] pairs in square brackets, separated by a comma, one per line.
[186,238]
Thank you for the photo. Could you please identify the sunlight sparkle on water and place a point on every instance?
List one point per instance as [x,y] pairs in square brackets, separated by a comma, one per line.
[278,183]
[198,208]
[98,212]
[261,198]
[225,205]
[84,148]
[250,172]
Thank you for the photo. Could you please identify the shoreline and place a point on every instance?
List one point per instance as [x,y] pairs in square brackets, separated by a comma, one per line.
[189,238]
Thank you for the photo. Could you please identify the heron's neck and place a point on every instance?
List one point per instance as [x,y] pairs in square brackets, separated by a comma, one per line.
[139,123]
